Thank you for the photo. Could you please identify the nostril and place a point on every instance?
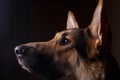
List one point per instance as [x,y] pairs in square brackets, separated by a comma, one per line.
[20,49]
[17,51]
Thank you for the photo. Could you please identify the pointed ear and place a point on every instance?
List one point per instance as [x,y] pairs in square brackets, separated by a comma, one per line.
[95,26]
[71,21]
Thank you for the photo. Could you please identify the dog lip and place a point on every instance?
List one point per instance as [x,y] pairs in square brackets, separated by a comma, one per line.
[22,64]
[25,68]
[19,55]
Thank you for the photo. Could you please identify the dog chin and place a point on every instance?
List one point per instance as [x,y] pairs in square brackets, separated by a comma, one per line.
[22,64]
[27,69]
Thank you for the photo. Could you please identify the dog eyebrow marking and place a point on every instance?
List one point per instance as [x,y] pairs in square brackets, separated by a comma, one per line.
[64,34]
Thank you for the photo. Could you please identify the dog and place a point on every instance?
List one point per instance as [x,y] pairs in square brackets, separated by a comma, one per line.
[73,54]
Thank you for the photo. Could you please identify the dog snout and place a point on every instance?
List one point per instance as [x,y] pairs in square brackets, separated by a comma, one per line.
[20,50]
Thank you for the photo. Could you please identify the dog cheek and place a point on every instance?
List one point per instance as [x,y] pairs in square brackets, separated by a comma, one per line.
[72,57]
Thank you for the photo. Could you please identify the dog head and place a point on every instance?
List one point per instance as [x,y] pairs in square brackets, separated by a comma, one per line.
[71,53]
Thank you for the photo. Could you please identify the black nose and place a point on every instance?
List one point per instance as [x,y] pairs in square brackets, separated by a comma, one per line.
[21,50]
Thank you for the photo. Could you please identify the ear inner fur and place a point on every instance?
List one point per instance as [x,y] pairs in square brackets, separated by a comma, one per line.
[71,21]
[95,26]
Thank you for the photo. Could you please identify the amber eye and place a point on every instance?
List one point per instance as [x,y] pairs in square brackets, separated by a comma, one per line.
[64,41]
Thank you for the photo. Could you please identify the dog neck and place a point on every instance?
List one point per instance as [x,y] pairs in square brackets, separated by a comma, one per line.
[92,71]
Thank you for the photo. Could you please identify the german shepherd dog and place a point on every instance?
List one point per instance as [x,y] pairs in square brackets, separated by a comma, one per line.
[73,54]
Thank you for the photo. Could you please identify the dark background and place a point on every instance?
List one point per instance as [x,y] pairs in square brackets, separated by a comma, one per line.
[24,21]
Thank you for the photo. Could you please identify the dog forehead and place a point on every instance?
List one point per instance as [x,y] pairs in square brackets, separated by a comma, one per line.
[73,33]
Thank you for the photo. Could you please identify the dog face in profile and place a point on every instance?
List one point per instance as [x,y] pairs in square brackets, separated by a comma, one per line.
[73,54]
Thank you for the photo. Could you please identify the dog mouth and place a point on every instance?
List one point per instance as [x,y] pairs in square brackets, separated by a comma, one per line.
[49,71]
[23,64]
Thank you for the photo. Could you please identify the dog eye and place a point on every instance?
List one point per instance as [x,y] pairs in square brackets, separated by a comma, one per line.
[64,41]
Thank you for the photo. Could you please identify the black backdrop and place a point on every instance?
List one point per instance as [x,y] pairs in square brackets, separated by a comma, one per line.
[24,21]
